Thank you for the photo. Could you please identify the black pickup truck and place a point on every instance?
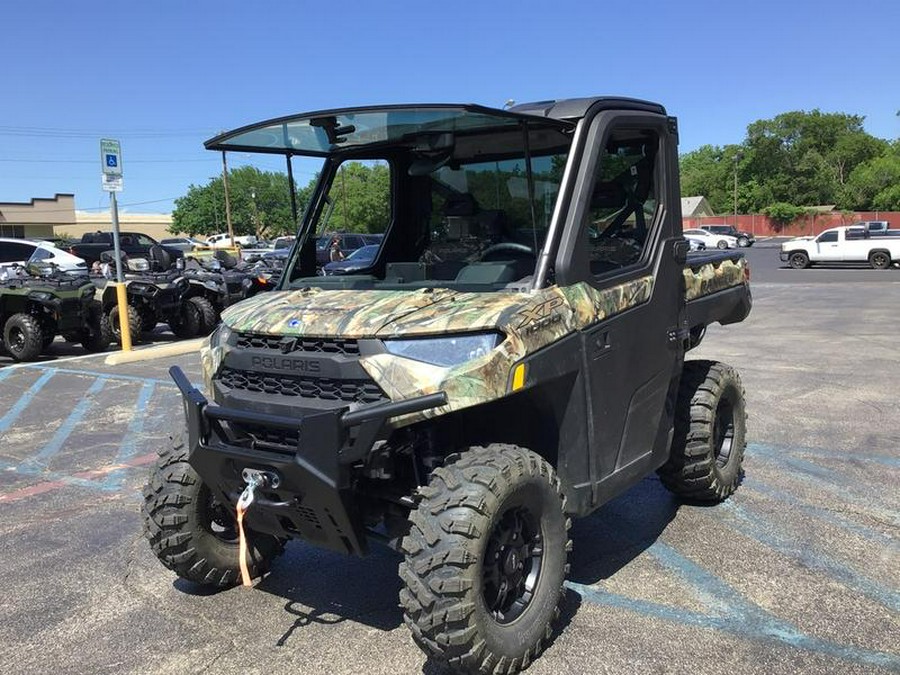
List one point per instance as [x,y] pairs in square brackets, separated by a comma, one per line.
[133,244]
[513,357]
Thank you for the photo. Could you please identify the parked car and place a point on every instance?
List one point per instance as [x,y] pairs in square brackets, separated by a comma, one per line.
[184,244]
[22,251]
[744,239]
[224,241]
[359,259]
[696,244]
[132,244]
[712,240]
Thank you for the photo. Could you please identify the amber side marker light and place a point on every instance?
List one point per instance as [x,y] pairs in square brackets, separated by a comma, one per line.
[518,380]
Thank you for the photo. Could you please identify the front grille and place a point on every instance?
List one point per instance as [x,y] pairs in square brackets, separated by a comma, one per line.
[286,345]
[321,388]
[284,441]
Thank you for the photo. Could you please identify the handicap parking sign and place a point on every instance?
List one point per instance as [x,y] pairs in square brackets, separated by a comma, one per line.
[111,157]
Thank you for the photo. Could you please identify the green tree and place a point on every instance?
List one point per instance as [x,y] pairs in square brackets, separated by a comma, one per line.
[360,195]
[795,158]
[260,204]
[875,184]
[783,214]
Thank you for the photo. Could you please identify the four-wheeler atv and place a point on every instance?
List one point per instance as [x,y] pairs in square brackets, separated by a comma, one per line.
[513,357]
[41,303]
[218,283]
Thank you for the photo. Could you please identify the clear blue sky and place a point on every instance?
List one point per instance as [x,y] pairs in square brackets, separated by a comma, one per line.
[163,76]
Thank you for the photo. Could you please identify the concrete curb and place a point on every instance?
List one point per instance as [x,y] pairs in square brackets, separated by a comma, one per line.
[155,352]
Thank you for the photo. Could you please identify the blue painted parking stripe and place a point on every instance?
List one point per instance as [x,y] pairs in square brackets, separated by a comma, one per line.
[128,448]
[99,373]
[823,513]
[762,530]
[40,460]
[740,617]
[7,420]
[5,373]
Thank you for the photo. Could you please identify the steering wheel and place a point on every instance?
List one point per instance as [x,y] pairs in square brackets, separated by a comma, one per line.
[518,250]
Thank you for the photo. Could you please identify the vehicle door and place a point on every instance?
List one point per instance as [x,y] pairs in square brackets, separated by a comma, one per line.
[620,242]
[828,248]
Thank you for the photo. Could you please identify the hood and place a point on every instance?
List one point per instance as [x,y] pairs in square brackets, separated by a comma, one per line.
[791,241]
[315,312]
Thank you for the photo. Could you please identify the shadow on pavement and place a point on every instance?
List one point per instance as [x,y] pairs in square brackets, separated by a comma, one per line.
[620,530]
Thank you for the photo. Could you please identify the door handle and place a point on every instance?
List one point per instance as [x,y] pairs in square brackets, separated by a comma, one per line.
[600,345]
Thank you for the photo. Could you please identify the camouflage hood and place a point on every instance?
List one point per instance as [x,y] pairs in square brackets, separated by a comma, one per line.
[312,311]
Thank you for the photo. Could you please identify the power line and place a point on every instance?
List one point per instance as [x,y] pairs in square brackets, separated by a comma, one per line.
[94,161]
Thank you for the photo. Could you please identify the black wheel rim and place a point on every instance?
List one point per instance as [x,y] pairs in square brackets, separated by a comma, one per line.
[723,431]
[16,339]
[880,260]
[512,565]
[219,520]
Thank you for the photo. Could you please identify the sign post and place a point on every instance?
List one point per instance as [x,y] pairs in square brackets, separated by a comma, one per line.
[111,163]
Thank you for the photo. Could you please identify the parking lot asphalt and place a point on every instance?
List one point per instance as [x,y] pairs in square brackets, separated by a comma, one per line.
[797,573]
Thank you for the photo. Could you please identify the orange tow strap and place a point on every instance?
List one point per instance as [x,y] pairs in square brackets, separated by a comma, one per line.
[242,549]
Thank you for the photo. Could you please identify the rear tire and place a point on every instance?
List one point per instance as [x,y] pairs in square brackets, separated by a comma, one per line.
[705,462]
[798,260]
[191,532]
[880,260]
[23,337]
[485,560]
[187,323]
[96,336]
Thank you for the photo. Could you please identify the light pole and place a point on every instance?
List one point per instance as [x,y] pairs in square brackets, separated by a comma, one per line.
[737,158]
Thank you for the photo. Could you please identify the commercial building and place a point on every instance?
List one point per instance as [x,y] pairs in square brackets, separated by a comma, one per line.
[37,219]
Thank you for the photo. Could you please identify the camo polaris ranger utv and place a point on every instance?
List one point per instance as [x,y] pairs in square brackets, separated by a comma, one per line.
[512,358]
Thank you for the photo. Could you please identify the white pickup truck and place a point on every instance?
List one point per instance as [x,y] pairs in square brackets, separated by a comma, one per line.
[842,244]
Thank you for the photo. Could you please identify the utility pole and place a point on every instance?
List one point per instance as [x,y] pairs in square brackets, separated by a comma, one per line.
[227,200]
[737,158]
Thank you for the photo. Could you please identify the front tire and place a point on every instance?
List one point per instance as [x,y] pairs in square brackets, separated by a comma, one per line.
[721,244]
[190,532]
[743,242]
[705,462]
[134,324]
[207,313]
[23,337]
[485,560]
[798,260]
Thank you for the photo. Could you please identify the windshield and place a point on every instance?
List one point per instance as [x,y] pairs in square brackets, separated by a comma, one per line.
[468,211]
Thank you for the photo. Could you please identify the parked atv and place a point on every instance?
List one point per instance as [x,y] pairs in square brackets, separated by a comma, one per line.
[217,283]
[37,304]
[156,293]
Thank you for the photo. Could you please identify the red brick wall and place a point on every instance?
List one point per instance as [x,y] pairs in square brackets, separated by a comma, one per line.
[760,226]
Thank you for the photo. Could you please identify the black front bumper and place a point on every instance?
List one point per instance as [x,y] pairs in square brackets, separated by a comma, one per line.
[313,499]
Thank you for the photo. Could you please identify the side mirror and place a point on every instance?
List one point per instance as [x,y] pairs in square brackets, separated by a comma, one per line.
[680,251]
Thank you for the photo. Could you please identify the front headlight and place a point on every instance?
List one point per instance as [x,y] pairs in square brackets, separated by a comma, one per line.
[450,351]
[220,336]
[41,296]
